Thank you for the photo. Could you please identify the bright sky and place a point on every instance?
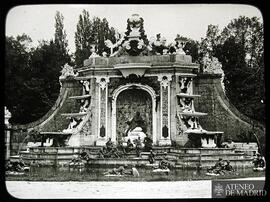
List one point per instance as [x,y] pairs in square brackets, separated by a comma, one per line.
[189,20]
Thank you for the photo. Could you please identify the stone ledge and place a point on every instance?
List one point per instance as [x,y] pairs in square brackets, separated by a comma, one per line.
[104,61]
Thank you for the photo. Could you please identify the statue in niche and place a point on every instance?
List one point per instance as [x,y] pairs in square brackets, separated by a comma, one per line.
[73,123]
[193,123]
[84,105]
[184,84]
[86,87]
[186,104]
[135,122]
[186,121]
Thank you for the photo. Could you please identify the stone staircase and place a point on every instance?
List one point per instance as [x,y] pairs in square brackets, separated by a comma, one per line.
[247,148]
[180,158]
[204,157]
[62,155]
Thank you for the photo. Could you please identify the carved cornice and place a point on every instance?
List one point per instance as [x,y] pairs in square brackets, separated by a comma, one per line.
[132,68]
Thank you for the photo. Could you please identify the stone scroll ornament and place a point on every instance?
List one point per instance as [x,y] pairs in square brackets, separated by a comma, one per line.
[211,65]
[67,71]
[135,40]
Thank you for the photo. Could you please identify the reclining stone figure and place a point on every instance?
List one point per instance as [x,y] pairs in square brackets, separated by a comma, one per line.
[259,163]
[220,168]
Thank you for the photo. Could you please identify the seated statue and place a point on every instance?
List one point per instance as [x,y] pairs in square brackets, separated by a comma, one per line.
[227,166]
[136,128]
[84,105]
[121,147]
[109,144]
[85,155]
[129,146]
[164,163]
[17,166]
[147,143]
[258,161]
[73,123]
[217,168]
[151,157]
[136,121]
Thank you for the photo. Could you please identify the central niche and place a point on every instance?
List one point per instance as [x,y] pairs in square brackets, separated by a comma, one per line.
[128,103]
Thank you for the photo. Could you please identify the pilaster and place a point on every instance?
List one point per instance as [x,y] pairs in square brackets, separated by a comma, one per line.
[102,110]
[165,86]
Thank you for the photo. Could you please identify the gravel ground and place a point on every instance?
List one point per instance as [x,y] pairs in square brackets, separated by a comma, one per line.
[98,190]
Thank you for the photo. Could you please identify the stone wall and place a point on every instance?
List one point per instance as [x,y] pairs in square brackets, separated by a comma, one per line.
[52,120]
[222,115]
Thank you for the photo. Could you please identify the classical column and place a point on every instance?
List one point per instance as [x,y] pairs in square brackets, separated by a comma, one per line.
[165,83]
[102,110]
[7,133]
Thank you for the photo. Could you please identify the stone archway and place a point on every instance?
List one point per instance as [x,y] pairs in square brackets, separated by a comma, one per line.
[130,90]
[128,103]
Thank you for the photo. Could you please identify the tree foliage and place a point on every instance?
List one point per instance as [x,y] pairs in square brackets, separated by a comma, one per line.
[91,31]
[16,66]
[239,47]
[60,36]
[31,85]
